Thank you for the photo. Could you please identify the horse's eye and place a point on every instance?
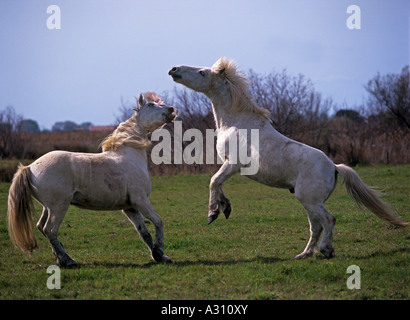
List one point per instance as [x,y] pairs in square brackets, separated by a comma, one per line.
[150,104]
[202,73]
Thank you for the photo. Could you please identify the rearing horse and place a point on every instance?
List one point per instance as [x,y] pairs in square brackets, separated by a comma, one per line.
[283,163]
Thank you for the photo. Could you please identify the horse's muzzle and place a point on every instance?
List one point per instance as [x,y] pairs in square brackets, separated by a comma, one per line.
[173,73]
[170,115]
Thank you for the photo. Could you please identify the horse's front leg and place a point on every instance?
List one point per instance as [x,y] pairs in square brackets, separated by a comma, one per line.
[157,251]
[138,222]
[217,199]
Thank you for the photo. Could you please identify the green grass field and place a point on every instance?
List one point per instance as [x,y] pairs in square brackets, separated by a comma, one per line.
[248,256]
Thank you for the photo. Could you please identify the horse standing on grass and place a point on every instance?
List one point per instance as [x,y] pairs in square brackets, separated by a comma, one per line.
[116,179]
[284,163]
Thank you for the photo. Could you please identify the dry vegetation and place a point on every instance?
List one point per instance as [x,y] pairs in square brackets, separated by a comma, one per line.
[375,133]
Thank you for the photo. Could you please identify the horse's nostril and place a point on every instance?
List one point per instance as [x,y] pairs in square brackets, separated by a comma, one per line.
[174,73]
[174,69]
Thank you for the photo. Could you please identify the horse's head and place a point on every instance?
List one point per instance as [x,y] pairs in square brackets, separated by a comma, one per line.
[152,112]
[200,79]
[223,83]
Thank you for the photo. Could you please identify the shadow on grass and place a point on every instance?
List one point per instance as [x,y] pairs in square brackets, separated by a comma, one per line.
[257,259]
[380,253]
[185,263]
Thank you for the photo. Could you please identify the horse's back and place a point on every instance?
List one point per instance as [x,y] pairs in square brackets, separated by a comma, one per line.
[55,164]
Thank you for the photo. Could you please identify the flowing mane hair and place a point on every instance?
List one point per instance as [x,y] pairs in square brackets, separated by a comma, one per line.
[128,133]
[239,85]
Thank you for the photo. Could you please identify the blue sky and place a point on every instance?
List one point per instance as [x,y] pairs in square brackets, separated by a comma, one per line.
[107,50]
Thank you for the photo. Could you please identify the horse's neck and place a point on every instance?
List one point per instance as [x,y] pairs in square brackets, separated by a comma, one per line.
[219,116]
[139,138]
[140,131]
[221,102]
[224,118]
[132,153]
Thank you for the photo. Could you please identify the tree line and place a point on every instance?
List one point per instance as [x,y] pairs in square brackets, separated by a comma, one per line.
[376,132]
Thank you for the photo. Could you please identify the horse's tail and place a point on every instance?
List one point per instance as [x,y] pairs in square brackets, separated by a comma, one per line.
[20,210]
[363,195]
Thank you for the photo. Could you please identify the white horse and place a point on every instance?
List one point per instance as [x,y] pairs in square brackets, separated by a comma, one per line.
[116,179]
[283,163]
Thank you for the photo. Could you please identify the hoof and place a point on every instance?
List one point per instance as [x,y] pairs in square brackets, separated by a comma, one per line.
[212,216]
[227,211]
[68,264]
[157,254]
[166,259]
[328,253]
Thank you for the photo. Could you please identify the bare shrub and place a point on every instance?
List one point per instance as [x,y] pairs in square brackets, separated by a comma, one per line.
[11,141]
[377,134]
[390,94]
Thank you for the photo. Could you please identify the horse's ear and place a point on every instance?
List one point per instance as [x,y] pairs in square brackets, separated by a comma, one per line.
[141,100]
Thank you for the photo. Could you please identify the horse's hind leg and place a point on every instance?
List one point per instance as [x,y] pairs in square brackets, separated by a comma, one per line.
[328,223]
[315,231]
[319,219]
[42,221]
[50,230]
[312,190]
